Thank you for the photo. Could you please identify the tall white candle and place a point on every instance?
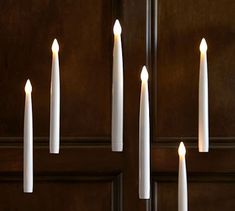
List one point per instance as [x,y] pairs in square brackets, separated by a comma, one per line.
[117,91]
[28,140]
[203,124]
[182,180]
[144,139]
[55,100]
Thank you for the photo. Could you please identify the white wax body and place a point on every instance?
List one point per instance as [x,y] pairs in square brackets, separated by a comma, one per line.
[28,145]
[182,185]
[117,96]
[203,124]
[144,143]
[55,105]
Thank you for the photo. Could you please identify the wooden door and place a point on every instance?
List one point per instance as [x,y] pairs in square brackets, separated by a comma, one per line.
[86,175]
[177,29]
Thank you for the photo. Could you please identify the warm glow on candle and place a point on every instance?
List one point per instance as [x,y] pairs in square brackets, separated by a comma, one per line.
[203,45]
[28,87]
[117,29]
[182,150]
[55,46]
[144,74]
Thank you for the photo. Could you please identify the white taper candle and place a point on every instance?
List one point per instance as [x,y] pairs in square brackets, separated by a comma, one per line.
[28,140]
[117,91]
[203,123]
[182,180]
[55,100]
[144,139]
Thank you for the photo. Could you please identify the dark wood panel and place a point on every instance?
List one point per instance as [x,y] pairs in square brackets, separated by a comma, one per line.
[134,46]
[177,29]
[72,158]
[84,32]
[165,159]
[66,192]
[215,142]
[181,25]
[204,192]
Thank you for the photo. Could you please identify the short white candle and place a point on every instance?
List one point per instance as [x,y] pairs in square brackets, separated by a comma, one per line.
[144,139]
[203,123]
[117,91]
[28,140]
[182,180]
[55,100]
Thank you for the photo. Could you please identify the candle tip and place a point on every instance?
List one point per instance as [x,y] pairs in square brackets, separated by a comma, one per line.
[55,46]
[203,45]
[117,29]
[182,150]
[144,74]
[28,87]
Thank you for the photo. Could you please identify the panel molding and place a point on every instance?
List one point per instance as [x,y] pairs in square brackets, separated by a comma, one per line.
[192,177]
[192,142]
[115,179]
[65,142]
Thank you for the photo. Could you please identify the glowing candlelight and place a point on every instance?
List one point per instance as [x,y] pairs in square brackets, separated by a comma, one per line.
[55,100]
[203,46]
[28,140]
[117,29]
[117,94]
[144,74]
[144,138]
[182,180]
[203,116]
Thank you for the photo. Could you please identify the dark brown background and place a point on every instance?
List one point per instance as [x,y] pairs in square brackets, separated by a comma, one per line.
[86,175]
[177,29]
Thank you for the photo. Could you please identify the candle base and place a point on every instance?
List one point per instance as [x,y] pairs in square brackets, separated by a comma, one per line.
[203,150]
[28,191]
[117,147]
[144,195]
[54,146]
[54,151]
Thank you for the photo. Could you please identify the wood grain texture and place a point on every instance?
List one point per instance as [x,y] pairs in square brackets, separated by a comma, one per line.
[209,175]
[181,26]
[206,192]
[84,32]
[67,192]
[176,31]
[203,196]
[217,160]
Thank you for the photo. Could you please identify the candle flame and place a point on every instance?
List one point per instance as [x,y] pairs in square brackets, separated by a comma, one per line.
[55,46]
[144,74]
[203,45]
[182,150]
[117,29]
[28,87]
